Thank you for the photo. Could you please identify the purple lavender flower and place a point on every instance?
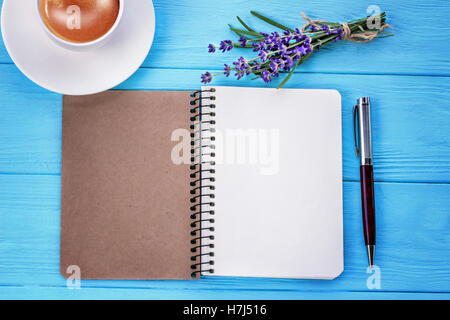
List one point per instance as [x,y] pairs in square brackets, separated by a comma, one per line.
[287,39]
[281,63]
[243,41]
[275,37]
[263,55]
[283,48]
[265,76]
[206,77]
[273,65]
[211,48]
[288,63]
[226,45]
[326,28]
[297,34]
[286,68]
[238,63]
[340,31]
[308,48]
[300,50]
[256,66]
[226,70]
[295,52]
[223,46]
[287,53]
[241,64]
[242,67]
[277,52]
[239,74]
[258,46]
[268,40]
[337,31]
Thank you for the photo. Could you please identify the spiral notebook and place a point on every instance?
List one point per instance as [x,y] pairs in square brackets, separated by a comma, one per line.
[224,181]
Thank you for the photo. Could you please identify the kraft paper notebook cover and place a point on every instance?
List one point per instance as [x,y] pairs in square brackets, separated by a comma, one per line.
[259,192]
[124,204]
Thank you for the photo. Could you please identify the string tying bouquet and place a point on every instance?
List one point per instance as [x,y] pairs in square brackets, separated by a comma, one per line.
[282,52]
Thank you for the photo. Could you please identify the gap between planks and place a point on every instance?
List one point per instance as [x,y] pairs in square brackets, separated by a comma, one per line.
[305,72]
[343,180]
[222,289]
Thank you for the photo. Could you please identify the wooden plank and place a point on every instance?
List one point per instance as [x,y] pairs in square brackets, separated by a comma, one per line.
[30,125]
[412,241]
[184,29]
[51,293]
[404,148]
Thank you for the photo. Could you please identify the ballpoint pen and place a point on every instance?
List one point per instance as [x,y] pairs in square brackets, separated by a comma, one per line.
[362,130]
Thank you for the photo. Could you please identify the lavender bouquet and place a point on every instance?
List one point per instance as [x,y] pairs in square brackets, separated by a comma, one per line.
[284,52]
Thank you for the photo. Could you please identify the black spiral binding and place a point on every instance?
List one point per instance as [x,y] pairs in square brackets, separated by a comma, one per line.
[202,181]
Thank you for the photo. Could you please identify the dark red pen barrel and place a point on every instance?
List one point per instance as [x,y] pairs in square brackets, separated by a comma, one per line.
[368,204]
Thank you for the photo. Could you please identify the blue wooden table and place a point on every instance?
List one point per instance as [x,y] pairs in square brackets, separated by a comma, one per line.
[408,79]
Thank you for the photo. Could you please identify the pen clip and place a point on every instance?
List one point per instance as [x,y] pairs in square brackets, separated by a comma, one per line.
[355,129]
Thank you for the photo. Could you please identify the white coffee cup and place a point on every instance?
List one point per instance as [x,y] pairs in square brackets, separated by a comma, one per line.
[82,46]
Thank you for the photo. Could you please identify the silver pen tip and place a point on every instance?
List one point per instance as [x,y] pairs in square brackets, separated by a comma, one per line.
[370,254]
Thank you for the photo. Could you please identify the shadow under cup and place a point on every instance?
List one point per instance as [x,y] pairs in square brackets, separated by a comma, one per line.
[80,22]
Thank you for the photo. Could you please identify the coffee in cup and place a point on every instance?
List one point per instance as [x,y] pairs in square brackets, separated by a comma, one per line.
[80,21]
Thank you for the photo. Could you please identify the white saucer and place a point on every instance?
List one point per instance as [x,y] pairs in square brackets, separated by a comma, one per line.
[71,72]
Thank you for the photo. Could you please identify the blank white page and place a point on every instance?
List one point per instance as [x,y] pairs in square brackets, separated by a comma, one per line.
[278,210]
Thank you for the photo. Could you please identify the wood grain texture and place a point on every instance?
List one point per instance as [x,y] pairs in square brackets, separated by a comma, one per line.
[184,28]
[405,149]
[195,294]
[413,243]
